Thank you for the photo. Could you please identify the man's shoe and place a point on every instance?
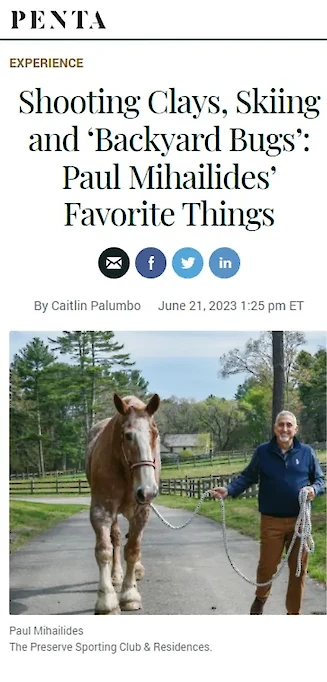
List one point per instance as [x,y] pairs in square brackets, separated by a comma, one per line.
[257,607]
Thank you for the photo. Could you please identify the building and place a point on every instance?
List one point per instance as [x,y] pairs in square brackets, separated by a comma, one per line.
[175,443]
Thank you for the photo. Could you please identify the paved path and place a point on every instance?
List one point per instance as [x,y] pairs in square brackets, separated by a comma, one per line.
[187,571]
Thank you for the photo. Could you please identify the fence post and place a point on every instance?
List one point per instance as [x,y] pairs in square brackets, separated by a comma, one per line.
[79,486]
[199,488]
[32,486]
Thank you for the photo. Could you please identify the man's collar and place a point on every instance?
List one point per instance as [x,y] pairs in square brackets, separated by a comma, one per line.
[295,445]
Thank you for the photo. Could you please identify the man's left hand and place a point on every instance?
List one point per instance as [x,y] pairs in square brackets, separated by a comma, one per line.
[310,491]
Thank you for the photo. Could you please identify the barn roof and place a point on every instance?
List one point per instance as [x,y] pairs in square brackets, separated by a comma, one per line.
[184,440]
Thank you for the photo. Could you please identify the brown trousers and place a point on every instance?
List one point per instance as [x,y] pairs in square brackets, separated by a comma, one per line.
[275,534]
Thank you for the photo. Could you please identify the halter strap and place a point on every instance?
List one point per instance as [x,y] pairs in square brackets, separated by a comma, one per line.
[146,462]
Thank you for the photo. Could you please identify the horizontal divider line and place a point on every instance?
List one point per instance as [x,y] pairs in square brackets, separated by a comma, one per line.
[166,39]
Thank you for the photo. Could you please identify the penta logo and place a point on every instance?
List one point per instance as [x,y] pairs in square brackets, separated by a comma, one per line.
[78,19]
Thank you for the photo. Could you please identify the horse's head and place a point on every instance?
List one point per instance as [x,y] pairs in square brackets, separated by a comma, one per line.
[140,444]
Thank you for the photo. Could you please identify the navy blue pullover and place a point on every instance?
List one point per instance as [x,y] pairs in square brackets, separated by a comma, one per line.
[280,477]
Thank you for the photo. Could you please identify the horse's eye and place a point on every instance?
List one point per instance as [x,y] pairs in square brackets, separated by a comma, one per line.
[129,435]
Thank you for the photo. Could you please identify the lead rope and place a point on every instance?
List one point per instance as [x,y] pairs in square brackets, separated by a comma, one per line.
[302,530]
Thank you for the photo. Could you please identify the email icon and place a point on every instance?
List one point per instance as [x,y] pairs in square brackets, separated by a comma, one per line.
[114,263]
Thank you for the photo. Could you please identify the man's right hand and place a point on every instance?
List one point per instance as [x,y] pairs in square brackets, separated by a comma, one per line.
[216,493]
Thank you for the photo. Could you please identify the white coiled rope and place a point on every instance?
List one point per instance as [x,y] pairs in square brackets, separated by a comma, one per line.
[302,530]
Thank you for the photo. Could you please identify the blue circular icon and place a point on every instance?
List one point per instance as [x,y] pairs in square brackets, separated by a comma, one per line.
[150,263]
[187,262]
[224,263]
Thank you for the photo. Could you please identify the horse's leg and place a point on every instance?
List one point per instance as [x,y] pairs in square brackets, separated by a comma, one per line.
[107,601]
[116,571]
[139,568]
[130,598]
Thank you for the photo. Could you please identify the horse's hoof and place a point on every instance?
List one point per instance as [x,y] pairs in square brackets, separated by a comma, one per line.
[115,612]
[107,605]
[131,606]
[130,600]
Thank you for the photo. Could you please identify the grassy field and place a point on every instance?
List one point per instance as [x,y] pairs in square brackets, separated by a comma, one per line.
[242,514]
[28,519]
[219,467]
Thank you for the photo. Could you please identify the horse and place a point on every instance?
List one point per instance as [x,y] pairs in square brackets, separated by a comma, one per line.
[122,467]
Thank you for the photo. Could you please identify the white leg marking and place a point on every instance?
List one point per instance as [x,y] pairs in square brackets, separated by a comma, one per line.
[107,602]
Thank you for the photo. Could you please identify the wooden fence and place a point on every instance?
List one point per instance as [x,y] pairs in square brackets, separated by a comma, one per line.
[191,487]
[195,487]
[43,487]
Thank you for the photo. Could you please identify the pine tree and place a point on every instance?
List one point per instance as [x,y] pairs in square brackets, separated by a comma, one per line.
[28,367]
[96,354]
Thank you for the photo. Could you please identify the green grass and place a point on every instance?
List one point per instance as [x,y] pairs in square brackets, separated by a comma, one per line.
[242,515]
[28,519]
[191,471]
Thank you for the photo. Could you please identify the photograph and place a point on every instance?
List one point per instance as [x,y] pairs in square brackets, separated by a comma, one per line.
[167,473]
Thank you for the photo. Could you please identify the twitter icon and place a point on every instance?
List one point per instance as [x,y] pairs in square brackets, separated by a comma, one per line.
[187,262]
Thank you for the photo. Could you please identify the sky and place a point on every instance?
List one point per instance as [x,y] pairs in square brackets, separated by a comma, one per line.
[181,364]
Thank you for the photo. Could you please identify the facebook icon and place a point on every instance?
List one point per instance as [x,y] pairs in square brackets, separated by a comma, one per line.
[150,263]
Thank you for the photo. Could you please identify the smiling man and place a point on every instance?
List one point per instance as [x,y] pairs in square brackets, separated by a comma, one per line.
[282,467]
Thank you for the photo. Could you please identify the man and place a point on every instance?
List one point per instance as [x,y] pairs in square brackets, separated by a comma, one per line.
[282,467]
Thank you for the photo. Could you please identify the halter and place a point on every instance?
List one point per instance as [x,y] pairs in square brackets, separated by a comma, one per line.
[133,465]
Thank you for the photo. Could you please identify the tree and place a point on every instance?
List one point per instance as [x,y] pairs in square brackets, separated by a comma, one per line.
[28,367]
[256,359]
[52,403]
[177,415]
[125,382]
[311,375]
[95,353]
[257,405]
[23,452]
[278,374]
[224,419]
[63,421]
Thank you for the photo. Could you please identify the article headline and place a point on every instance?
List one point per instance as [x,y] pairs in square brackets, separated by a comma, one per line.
[207,142]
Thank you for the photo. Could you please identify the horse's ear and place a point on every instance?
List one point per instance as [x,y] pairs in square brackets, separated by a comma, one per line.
[153,404]
[119,403]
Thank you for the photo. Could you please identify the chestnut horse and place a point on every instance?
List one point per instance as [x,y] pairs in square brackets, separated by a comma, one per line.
[123,466]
